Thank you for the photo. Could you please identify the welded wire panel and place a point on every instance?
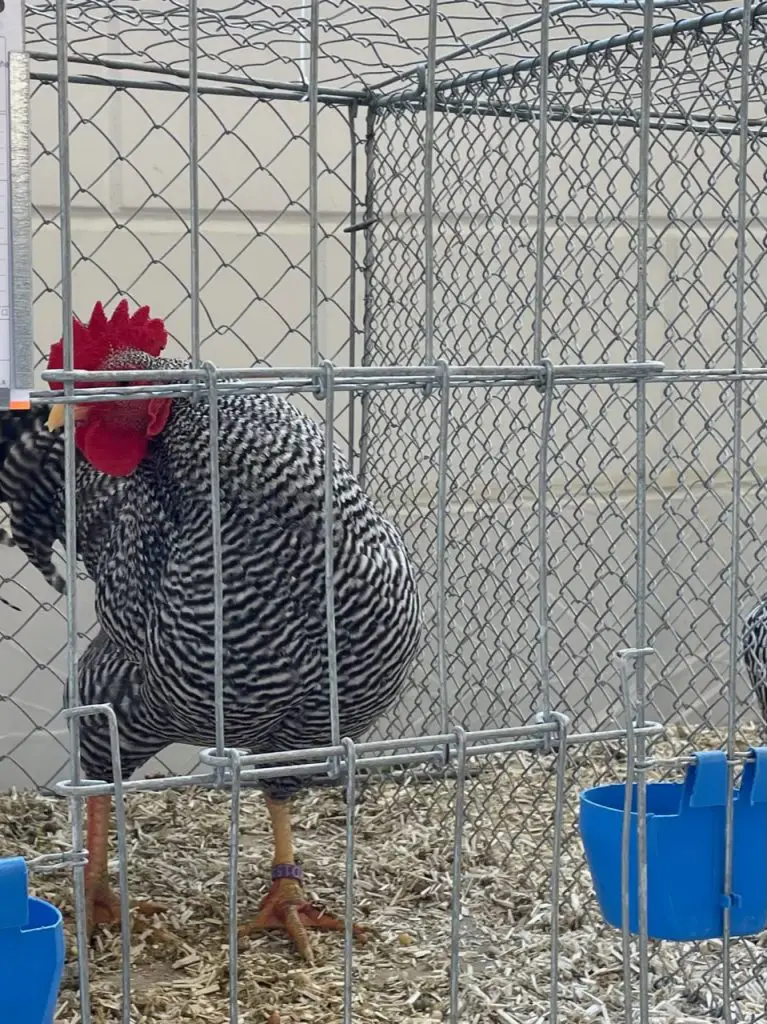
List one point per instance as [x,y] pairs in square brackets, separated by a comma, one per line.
[485,202]
[555,513]
[255,289]
[485,261]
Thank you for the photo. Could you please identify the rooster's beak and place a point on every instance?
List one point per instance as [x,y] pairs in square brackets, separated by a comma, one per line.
[57,414]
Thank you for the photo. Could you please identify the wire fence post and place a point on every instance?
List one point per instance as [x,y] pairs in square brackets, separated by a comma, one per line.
[543,170]
[543,542]
[194,184]
[428,184]
[634,773]
[562,723]
[735,521]
[457,879]
[70,494]
[642,249]
[368,278]
[234,863]
[353,231]
[314,200]
[442,503]
[328,383]
[211,374]
[350,758]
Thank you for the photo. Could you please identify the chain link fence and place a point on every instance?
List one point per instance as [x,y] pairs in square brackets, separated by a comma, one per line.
[130,141]
[485,158]
[130,151]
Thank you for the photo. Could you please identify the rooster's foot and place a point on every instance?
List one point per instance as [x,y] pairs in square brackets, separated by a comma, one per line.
[285,907]
[103,908]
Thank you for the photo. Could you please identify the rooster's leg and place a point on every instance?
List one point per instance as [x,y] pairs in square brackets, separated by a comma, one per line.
[102,904]
[285,906]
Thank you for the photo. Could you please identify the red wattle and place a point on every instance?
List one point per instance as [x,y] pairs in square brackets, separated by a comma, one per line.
[111,448]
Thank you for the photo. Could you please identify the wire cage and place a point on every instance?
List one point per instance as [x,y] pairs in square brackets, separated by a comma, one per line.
[512,254]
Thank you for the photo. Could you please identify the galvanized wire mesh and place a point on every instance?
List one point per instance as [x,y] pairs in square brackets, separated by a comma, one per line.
[362,45]
[485,254]
[131,238]
[485,207]
[254,295]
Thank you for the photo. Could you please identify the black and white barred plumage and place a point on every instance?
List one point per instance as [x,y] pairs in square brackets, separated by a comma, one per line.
[146,541]
[754,640]
[28,452]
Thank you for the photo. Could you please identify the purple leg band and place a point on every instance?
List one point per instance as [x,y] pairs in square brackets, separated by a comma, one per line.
[287,871]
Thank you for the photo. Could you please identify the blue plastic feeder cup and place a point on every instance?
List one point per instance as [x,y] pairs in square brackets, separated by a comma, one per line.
[31,950]
[685,850]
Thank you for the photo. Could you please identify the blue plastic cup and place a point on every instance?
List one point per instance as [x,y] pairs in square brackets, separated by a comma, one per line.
[685,850]
[31,949]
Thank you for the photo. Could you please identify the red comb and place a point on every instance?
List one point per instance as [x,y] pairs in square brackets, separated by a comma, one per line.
[95,341]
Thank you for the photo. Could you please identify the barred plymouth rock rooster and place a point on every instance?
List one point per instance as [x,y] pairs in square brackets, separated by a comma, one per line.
[144,535]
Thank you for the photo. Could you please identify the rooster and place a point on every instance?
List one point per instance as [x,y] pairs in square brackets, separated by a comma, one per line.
[144,535]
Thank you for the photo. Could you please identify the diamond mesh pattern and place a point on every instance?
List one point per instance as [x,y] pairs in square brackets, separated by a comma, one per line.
[129,152]
[362,44]
[485,249]
[131,237]
[486,202]
[254,156]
